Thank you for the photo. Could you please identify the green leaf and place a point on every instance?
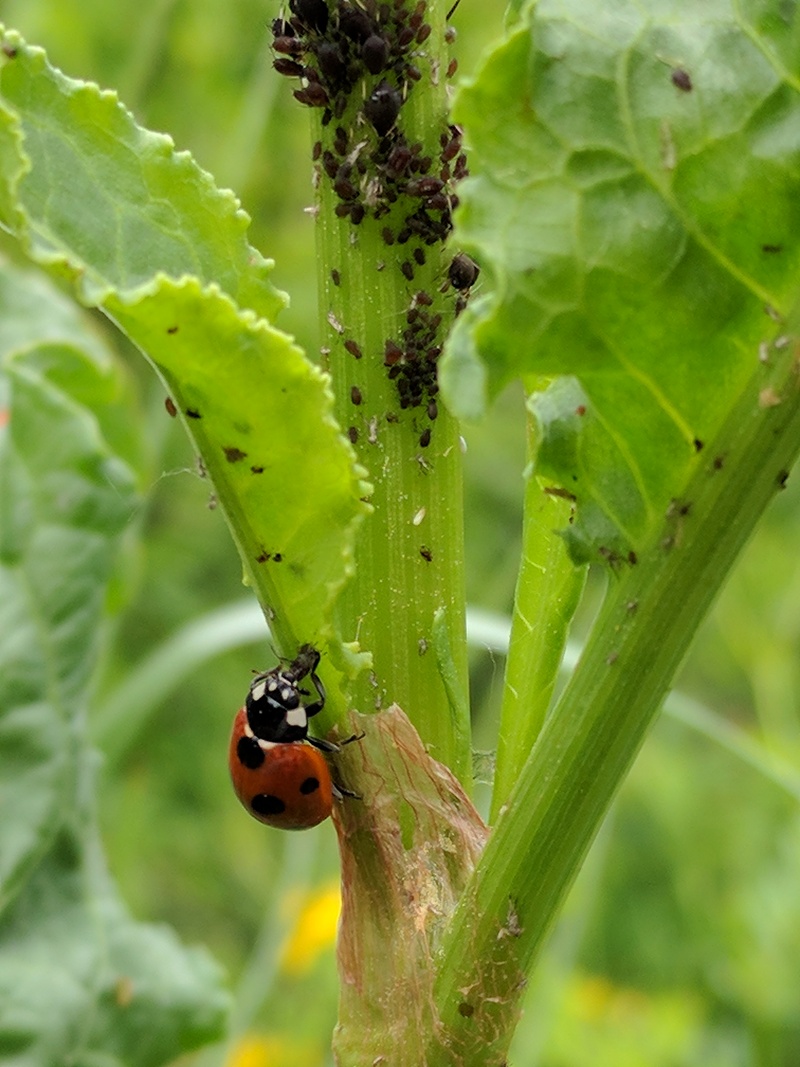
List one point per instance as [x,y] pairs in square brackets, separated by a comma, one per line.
[148,238]
[109,203]
[80,981]
[65,499]
[260,415]
[636,211]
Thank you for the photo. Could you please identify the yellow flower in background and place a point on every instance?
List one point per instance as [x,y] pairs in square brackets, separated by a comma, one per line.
[270,1050]
[314,930]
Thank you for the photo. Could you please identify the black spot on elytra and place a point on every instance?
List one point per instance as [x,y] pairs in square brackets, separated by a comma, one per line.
[249,753]
[310,785]
[266,804]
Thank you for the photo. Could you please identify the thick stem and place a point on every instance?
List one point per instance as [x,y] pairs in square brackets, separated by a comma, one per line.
[385,161]
[585,749]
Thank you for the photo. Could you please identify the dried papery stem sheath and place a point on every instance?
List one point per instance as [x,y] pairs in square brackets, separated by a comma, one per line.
[408,850]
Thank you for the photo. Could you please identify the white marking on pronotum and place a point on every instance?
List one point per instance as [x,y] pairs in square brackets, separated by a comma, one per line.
[297,717]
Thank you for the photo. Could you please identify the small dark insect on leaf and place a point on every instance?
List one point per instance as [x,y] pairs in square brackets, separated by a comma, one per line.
[463,272]
[382,107]
[288,46]
[169,404]
[355,24]
[331,62]
[375,52]
[314,13]
[313,95]
[681,79]
[288,67]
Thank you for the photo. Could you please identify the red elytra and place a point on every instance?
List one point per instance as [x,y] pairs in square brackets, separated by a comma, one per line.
[287,785]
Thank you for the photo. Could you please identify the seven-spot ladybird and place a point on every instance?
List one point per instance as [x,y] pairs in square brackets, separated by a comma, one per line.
[278,772]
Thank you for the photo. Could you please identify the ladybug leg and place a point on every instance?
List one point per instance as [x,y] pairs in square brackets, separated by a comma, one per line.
[340,792]
[351,739]
[322,744]
[333,746]
[318,705]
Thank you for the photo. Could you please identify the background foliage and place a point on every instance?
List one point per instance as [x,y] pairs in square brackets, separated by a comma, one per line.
[681,941]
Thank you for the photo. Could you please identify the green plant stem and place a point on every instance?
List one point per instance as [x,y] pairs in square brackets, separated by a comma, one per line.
[549,586]
[650,615]
[405,603]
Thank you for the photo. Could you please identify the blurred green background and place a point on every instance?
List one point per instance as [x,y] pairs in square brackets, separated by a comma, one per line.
[681,941]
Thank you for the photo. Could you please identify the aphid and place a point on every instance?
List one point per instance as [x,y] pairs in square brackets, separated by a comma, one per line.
[355,24]
[375,52]
[382,107]
[313,95]
[313,13]
[463,271]
[288,67]
[288,46]
[331,62]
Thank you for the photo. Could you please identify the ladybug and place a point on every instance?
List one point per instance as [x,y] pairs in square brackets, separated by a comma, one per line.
[279,773]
